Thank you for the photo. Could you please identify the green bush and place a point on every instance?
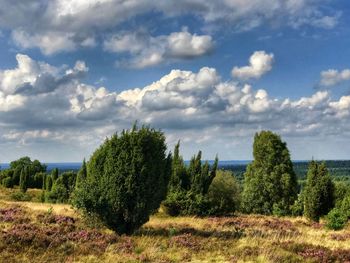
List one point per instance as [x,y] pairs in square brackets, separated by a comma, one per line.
[224,194]
[335,219]
[7,182]
[297,209]
[189,186]
[345,206]
[20,196]
[62,188]
[127,179]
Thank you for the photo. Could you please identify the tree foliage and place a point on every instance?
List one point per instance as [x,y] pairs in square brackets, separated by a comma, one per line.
[127,178]
[82,174]
[270,184]
[23,183]
[224,194]
[189,186]
[319,191]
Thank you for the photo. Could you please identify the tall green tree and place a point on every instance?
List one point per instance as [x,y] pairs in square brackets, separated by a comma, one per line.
[82,174]
[54,174]
[270,184]
[23,184]
[319,191]
[127,178]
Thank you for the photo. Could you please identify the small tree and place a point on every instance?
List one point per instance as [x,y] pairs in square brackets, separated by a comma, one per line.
[127,178]
[48,184]
[23,183]
[224,194]
[270,184]
[82,174]
[188,187]
[319,191]
[54,174]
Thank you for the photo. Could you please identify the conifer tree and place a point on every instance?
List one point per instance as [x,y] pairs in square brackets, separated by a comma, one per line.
[319,191]
[82,174]
[23,183]
[54,175]
[189,186]
[49,183]
[270,184]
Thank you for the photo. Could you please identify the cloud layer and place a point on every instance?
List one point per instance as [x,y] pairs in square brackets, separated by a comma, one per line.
[62,25]
[42,103]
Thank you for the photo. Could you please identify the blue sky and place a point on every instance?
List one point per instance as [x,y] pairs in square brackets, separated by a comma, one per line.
[208,73]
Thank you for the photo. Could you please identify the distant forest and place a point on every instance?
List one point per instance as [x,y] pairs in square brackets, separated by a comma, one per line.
[339,169]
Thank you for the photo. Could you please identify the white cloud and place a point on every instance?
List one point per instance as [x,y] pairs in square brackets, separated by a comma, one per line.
[333,77]
[49,43]
[193,106]
[146,50]
[259,64]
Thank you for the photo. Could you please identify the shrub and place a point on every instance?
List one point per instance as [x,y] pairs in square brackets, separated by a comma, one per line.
[7,182]
[126,180]
[224,194]
[62,188]
[297,209]
[335,219]
[20,196]
[189,186]
[345,206]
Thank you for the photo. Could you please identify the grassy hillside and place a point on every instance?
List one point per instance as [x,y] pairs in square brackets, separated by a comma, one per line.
[35,232]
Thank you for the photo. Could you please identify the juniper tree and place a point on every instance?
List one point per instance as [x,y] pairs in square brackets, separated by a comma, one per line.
[189,186]
[82,174]
[319,191]
[127,178]
[270,184]
[48,183]
[23,183]
[54,174]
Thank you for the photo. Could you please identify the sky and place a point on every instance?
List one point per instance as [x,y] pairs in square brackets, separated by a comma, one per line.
[208,73]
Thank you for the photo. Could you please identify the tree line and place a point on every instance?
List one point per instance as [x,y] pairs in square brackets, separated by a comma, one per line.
[131,175]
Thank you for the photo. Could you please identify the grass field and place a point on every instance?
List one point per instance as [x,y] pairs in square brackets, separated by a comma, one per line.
[36,232]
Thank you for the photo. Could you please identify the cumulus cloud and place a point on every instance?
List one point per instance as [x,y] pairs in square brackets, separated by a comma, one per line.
[333,77]
[62,25]
[259,64]
[194,106]
[146,50]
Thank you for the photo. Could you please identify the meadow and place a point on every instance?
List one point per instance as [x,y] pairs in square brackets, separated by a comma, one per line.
[42,232]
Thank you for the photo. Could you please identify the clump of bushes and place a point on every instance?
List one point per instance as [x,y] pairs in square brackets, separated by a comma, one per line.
[20,196]
[189,186]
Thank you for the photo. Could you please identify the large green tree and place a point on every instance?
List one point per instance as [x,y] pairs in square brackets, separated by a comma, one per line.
[270,184]
[319,191]
[127,178]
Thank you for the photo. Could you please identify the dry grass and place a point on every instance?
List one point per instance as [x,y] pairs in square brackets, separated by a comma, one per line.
[61,236]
